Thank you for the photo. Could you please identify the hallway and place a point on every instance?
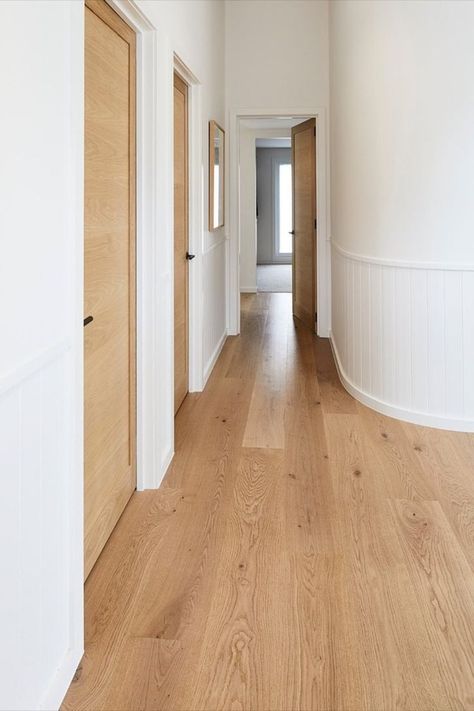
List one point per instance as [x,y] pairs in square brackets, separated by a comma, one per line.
[303,552]
[274,277]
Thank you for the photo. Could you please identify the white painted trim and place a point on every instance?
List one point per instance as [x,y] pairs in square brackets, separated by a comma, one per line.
[213,359]
[323,281]
[155,411]
[32,365]
[54,696]
[404,264]
[147,464]
[196,234]
[248,289]
[214,245]
[72,350]
[166,459]
[418,418]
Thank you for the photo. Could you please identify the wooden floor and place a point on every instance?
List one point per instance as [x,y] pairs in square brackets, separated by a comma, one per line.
[303,552]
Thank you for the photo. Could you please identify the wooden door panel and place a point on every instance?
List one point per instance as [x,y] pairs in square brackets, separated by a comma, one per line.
[109,274]
[304,215]
[180,241]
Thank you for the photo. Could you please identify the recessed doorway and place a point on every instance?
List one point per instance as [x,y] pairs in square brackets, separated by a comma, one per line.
[246,125]
[182,256]
[109,274]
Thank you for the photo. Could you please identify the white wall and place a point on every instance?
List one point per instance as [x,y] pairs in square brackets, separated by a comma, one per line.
[195,32]
[277,61]
[277,54]
[41,181]
[402,170]
[41,138]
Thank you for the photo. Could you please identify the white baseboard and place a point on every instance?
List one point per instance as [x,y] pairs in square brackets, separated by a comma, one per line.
[166,460]
[61,681]
[385,408]
[213,359]
[248,289]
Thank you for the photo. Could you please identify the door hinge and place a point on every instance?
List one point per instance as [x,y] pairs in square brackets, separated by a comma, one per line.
[314,130]
[315,223]
[316,316]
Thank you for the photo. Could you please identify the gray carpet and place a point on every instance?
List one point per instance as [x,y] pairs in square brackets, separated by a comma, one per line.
[274,277]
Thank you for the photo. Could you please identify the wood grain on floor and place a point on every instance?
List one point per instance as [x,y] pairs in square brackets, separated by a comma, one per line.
[303,553]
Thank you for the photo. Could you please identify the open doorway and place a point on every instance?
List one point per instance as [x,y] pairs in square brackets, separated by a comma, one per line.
[274,215]
[246,126]
[278,211]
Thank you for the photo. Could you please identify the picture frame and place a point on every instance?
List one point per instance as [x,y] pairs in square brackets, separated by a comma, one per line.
[216,176]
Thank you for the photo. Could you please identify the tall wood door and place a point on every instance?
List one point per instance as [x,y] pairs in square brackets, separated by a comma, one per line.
[303,151]
[109,274]
[181,243]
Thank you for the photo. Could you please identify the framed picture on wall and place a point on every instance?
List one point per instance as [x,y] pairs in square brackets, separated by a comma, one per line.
[216,176]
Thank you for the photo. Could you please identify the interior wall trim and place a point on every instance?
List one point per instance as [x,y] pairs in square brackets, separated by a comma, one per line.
[418,418]
[25,370]
[403,339]
[403,263]
[218,243]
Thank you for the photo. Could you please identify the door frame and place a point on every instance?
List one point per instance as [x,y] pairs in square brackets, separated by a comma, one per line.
[156,64]
[323,260]
[195,223]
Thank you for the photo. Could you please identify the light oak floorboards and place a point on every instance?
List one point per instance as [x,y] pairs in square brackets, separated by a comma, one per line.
[303,552]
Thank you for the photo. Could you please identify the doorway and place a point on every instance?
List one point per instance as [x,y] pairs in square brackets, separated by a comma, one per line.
[182,256]
[242,249]
[274,214]
[109,274]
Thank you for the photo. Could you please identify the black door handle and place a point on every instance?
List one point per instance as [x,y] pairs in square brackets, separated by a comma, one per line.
[88,319]
[291,232]
[190,256]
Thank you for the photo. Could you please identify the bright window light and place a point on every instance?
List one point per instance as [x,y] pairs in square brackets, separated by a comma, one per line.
[285,243]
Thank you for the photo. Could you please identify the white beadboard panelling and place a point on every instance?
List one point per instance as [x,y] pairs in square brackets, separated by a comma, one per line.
[403,335]
[364,327]
[419,339]
[214,311]
[41,304]
[454,341]
[436,329]
[468,330]
[403,338]
[376,330]
[35,608]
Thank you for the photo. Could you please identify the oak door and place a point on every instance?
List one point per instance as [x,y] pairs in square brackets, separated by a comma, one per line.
[109,274]
[303,151]
[180,241]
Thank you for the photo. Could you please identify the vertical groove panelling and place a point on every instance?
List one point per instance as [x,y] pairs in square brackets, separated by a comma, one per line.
[403,370]
[376,335]
[436,331]
[403,337]
[454,344]
[11,653]
[419,339]
[214,327]
[29,632]
[468,329]
[364,325]
[33,422]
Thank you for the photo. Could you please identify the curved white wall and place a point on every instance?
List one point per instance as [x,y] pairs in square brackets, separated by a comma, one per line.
[402,181]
